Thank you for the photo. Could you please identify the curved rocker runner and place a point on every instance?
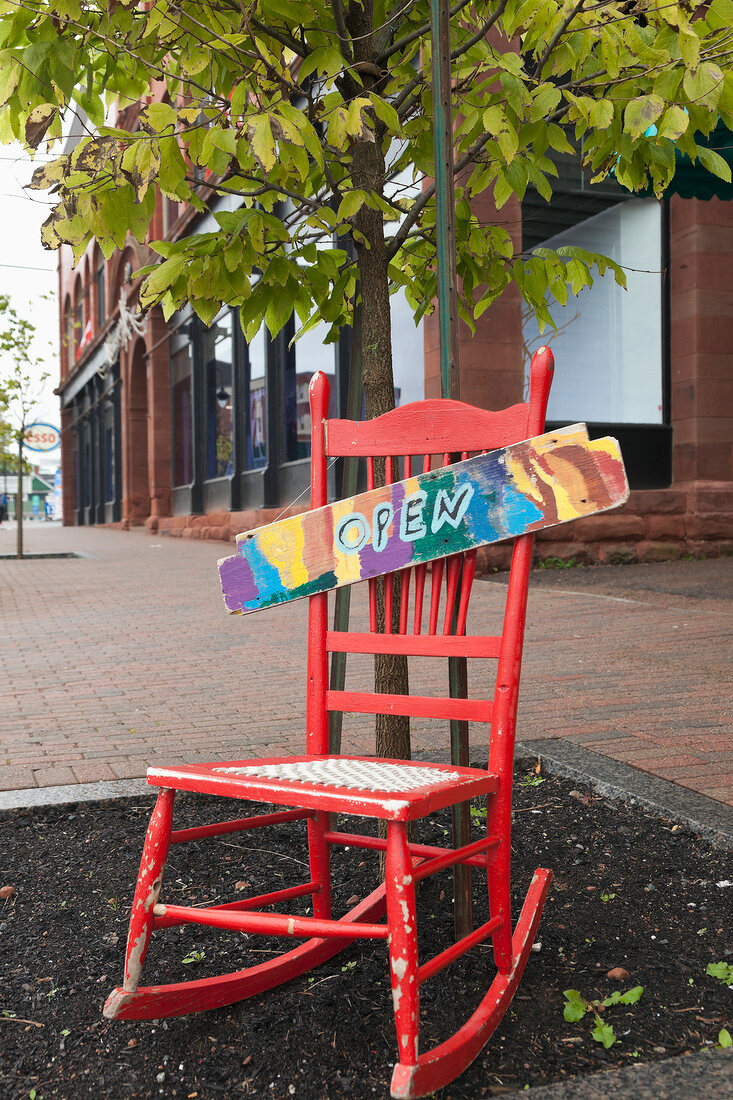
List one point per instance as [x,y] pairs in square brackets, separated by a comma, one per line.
[518,482]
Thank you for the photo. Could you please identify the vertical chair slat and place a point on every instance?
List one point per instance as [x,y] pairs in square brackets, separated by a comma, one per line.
[404,598]
[420,571]
[451,588]
[469,570]
[436,580]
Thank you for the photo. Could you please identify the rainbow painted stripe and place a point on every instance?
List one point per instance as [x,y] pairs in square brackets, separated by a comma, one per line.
[538,483]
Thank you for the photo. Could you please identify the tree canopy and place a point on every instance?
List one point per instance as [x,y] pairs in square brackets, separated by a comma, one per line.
[316,115]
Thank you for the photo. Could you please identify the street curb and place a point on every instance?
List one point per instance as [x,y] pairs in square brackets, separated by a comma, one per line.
[72,794]
[621,782]
[705,1075]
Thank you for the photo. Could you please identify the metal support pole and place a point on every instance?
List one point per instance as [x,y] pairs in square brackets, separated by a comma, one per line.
[449,386]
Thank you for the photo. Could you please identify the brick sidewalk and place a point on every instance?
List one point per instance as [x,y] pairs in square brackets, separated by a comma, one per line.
[126,658]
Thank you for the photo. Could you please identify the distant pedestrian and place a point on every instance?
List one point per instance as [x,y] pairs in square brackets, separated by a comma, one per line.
[3,507]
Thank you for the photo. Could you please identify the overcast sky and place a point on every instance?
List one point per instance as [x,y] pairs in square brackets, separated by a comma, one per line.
[28,271]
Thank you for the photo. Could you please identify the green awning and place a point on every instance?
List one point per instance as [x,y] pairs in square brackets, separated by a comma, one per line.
[692,181]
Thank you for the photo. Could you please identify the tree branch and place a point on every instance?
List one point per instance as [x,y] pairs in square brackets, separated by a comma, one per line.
[402,43]
[557,36]
[340,20]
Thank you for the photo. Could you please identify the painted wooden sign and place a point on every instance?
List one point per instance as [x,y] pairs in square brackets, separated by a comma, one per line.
[538,483]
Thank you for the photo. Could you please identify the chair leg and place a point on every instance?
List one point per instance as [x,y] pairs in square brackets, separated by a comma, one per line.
[319,853]
[403,960]
[149,881]
[498,874]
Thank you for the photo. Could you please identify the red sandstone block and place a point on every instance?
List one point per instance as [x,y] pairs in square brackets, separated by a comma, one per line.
[608,526]
[710,526]
[243,521]
[216,519]
[196,521]
[658,551]
[613,553]
[714,498]
[684,459]
[564,551]
[221,533]
[188,532]
[151,523]
[665,527]
[715,461]
[644,501]
[491,558]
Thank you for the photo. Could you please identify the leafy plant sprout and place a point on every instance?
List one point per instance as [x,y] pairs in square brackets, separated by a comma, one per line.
[576,1006]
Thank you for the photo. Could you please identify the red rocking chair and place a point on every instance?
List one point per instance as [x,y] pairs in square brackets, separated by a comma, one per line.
[316,785]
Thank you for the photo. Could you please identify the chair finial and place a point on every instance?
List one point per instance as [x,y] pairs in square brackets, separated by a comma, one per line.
[540,379]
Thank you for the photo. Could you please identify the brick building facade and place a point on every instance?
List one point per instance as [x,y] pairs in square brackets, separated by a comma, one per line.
[192,433]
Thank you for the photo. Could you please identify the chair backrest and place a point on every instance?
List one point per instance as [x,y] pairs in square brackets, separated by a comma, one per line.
[446,429]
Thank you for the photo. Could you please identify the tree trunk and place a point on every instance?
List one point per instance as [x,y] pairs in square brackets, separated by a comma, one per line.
[390,672]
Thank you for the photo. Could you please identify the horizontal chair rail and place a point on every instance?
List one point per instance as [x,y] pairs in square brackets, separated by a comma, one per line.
[439,962]
[417,706]
[457,855]
[432,852]
[272,924]
[237,825]
[246,903]
[413,645]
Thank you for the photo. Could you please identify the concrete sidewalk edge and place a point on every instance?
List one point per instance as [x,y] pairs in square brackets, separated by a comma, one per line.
[620,782]
[705,1075]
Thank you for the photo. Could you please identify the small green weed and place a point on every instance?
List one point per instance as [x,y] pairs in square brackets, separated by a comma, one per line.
[531,780]
[348,966]
[576,1006]
[722,971]
[557,563]
[194,956]
[478,814]
[607,897]
[724,1039]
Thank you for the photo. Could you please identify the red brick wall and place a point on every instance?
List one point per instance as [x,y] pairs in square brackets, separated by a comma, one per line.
[701,286]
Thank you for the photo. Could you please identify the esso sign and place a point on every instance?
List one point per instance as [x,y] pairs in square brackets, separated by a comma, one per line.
[42,437]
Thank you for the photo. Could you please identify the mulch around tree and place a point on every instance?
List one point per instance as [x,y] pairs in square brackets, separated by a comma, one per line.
[631,890]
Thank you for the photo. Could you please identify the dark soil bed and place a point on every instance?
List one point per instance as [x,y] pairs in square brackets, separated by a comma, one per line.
[631,890]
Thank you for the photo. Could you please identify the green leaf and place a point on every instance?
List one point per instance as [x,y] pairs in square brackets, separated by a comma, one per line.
[714,163]
[603,1033]
[262,141]
[723,971]
[719,15]
[674,123]
[724,1038]
[689,46]
[575,1007]
[641,113]
[704,86]
[158,116]
[350,204]
[601,114]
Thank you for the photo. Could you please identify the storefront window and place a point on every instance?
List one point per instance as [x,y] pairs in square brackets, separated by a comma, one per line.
[182,437]
[108,429]
[217,361]
[255,404]
[310,355]
[408,351]
[608,348]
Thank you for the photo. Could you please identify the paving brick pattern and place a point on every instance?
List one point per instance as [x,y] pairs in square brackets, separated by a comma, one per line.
[125,658]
